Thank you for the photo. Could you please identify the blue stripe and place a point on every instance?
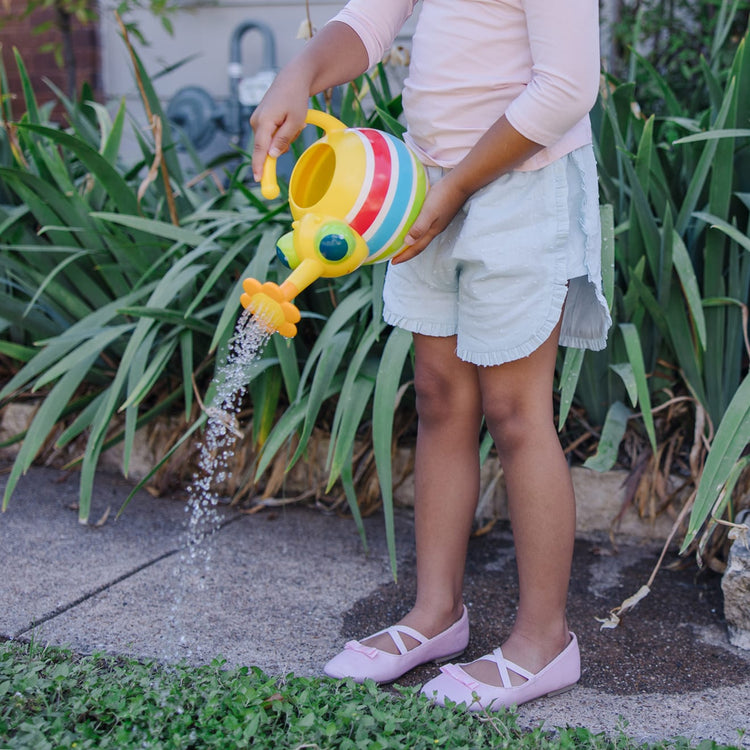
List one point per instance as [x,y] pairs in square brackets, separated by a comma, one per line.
[401,200]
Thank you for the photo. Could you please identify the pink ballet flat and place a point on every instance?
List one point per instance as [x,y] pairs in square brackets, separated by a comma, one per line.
[455,684]
[362,662]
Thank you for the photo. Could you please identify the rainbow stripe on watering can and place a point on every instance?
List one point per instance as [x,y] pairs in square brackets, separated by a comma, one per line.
[353,196]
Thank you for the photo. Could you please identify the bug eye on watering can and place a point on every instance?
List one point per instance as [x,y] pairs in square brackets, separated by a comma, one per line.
[335,241]
[285,251]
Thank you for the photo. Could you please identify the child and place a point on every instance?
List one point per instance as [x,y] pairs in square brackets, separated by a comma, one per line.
[502,264]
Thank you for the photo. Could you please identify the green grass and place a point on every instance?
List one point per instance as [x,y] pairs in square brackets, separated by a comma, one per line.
[51,698]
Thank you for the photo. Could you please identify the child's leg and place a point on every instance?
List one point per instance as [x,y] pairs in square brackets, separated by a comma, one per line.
[447,483]
[446,474]
[517,403]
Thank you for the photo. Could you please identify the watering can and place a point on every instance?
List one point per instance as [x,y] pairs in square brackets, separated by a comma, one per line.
[354,195]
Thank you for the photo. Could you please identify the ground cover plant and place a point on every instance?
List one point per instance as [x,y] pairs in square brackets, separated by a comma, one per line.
[52,698]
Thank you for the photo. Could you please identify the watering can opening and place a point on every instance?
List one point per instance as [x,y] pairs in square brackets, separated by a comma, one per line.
[313,175]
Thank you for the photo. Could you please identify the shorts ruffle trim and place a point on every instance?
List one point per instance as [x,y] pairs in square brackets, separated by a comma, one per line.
[418,326]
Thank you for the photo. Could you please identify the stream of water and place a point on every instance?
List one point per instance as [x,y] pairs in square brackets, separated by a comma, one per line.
[221,433]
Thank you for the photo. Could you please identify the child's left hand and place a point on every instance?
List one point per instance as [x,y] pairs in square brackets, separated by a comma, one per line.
[443,201]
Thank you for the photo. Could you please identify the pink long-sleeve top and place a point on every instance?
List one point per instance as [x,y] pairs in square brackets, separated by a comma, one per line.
[536,61]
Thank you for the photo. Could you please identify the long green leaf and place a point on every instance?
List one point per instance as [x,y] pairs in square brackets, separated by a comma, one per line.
[89,350]
[157,228]
[81,422]
[626,374]
[44,421]
[613,432]
[62,344]
[685,270]
[287,357]
[328,366]
[353,372]
[714,134]
[347,480]
[394,358]
[265,393]
[635,357]
[606,216]
[257,268]
[702,169]
[19,352]
[150,376]
[171,317]
[717,223]
[568,381]
[351,404]
[343,314]
[732,438]
[117,189]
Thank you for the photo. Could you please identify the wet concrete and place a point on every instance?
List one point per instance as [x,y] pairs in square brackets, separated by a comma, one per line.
[672,641]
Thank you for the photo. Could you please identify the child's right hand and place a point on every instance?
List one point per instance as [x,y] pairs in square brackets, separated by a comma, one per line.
[279,118]
[334,55]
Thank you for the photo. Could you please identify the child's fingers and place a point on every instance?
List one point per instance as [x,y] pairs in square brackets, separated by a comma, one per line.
[433,218]
[407,254]
[261,146]
[273,140]
[416,241]
[282,139]
[419,228]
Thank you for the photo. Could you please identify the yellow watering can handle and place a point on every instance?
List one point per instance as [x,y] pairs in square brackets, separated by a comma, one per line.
[269,186]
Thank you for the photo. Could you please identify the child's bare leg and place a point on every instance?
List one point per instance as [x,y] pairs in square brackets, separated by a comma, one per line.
[517,402]
[446,484]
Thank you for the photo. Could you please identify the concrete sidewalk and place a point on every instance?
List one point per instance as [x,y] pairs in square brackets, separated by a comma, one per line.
[284,589]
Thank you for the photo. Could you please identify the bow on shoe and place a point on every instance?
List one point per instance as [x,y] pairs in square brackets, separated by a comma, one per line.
[458,674]
[369,651]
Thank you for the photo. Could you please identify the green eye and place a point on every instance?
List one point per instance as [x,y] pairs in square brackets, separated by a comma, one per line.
[335,241]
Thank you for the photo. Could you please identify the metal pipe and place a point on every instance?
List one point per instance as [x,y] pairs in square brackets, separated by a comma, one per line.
[268,62]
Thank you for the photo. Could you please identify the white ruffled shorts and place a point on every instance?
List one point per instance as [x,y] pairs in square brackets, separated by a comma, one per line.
[498,276]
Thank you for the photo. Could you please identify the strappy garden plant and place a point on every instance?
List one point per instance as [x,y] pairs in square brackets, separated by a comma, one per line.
[119,282]
[120,288]
[675,371]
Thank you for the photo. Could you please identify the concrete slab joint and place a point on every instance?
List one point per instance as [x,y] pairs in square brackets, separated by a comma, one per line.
[735,585]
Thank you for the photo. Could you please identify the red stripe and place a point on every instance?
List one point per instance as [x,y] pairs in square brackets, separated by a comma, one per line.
[380,181]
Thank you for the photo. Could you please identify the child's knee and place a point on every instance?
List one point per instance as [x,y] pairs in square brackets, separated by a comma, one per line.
[513,424]
[441,398]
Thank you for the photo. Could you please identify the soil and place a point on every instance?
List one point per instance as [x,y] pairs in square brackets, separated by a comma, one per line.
[673,641]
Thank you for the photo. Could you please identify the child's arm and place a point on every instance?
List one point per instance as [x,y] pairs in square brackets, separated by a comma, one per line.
[501,149]
[564,44]
[333,56]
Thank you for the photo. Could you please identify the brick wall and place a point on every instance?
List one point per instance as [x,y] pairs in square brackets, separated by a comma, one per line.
[19,33]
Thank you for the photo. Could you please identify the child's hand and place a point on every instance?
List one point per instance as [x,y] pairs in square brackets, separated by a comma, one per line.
[278,119]
[443,201]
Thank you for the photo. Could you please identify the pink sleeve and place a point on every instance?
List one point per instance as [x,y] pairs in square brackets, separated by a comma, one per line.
[564,41]
[376,23]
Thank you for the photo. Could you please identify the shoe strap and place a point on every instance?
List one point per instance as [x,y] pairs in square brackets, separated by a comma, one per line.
[395,632]
[505,666]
